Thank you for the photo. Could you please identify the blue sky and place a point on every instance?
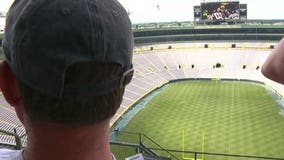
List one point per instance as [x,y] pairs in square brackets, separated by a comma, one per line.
[182,10]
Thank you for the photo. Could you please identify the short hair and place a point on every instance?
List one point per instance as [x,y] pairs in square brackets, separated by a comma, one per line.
[75,109]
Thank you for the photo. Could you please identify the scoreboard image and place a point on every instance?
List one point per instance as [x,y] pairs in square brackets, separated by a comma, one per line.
[220,12]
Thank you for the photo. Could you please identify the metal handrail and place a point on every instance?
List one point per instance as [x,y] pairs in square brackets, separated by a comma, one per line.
[196,153]
[140,141]
[221,154]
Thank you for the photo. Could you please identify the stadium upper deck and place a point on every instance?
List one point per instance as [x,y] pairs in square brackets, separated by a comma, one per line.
[253,30]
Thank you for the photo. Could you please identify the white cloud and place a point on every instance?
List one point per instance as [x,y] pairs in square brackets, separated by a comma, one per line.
[5,5]
[182,10]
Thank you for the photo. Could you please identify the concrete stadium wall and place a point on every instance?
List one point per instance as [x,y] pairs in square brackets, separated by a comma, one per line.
[225,33]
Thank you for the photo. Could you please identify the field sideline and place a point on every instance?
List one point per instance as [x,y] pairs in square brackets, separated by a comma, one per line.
[236,118]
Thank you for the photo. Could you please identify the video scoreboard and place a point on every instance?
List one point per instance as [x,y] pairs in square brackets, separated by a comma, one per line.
[220,12]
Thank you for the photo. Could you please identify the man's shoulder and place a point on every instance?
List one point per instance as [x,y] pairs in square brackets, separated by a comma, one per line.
[7,154]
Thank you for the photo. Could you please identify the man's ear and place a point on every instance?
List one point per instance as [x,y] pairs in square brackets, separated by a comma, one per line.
[9,85]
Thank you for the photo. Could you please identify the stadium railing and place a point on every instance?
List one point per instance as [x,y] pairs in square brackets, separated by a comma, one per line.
[141,143]
[18,142]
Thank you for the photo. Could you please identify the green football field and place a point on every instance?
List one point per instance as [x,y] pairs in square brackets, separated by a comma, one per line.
[234,117]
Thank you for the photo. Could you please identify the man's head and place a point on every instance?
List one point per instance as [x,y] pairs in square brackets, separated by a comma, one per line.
[70,58]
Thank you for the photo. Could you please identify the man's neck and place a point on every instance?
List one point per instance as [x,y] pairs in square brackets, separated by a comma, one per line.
[49,141]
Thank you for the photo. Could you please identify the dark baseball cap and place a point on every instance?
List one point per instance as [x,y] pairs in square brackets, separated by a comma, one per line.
[43,38]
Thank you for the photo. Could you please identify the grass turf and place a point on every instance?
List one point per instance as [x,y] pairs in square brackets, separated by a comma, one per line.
[236,117]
